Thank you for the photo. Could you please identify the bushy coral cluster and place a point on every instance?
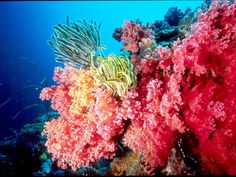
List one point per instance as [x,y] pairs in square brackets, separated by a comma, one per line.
[167,31]
[83,133]
[176,24]
[74,94]
[133,33]
[207,62]
[188,88]
[193,90]
[153,107]
[76,143]
[104,112]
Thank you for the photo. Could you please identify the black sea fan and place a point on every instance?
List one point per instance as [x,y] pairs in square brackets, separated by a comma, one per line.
[75,43]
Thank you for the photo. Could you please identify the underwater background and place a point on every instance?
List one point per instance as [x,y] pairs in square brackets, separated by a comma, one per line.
[143,94]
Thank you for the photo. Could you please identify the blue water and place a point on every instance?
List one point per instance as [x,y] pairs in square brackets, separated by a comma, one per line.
[25,28]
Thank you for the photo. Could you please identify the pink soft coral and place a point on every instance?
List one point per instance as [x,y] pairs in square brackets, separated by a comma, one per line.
[133,34]
[75,143]
[105,114]
[88,120]
[74,94]
[154,143]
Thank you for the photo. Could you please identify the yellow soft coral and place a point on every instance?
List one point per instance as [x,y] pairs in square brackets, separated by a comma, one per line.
[82,91]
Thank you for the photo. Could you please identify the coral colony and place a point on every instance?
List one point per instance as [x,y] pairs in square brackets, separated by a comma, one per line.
[149,102]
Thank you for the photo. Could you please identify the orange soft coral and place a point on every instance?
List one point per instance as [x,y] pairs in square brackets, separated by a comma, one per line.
[82,91]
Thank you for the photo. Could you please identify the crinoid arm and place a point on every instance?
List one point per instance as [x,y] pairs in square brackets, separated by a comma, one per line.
[116,73]
[75,43]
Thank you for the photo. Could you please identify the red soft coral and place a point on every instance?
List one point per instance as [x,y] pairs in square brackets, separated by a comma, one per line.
[206,61]
[154,143]
[196,87]
[153,108]
[60,100]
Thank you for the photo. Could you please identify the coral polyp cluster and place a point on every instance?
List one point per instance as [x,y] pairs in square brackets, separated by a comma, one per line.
[150,101]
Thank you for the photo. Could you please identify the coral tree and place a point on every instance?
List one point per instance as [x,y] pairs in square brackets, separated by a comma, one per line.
[188,87]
